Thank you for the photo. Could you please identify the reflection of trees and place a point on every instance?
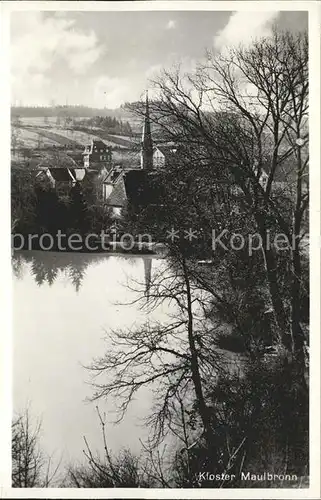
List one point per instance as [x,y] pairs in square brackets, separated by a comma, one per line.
[77,275]
[45,267]
[17,265]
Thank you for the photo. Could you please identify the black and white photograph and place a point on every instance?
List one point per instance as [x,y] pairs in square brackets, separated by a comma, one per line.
[160,248]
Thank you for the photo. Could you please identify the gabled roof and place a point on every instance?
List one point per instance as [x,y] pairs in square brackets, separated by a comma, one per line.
[61,174]
[118,195]
[113,176]
[99,144]
[78,173]
[95,143]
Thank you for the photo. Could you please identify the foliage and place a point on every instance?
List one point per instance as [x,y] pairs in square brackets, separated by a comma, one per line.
[227,138]
[262,425]
[108,123]
[23,200]
[36,208]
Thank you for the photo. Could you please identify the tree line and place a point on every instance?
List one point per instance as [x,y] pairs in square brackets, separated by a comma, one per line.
[107,123]
[37,208]
[76,111]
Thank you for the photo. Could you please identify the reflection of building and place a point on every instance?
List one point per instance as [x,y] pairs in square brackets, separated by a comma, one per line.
[96,152]
[147,275]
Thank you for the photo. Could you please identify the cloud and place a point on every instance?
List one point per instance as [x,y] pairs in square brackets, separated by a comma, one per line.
[39,41]
[113,91]
[171,25]
[243,27]
[153,71]
[33,91]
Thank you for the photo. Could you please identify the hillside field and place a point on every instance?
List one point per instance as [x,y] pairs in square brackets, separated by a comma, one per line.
[31,132]
[37,134]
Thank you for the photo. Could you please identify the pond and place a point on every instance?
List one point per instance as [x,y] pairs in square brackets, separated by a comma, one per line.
[63,305]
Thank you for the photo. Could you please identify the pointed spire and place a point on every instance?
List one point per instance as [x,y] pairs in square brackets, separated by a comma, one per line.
[147,143]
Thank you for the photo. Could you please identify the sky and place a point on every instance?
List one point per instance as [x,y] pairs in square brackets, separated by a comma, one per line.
[102,59]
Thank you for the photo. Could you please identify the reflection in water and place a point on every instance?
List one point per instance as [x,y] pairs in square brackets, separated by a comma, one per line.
[46,266]
[148,276]
[63,305]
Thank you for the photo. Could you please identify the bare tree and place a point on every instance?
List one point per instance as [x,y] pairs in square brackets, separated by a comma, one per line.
[108,471]
[277,112]
[241,115]
[175,356]
[30,466]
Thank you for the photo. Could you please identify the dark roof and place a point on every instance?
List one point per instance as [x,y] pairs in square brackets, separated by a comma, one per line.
[118,195]
[76,171]
[60,174]
[112,176]
[90,176]
[134,181]
[143,188]
[99,144]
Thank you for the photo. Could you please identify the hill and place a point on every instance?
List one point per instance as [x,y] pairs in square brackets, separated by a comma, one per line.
[52,112]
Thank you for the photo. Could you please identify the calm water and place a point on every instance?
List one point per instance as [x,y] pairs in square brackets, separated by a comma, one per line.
[63,303]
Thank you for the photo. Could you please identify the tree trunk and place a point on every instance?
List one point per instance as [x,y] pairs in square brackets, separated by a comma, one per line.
[203,410]
[296,330]
[272,278]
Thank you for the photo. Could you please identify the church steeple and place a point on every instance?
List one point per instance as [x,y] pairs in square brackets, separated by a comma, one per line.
[147,143]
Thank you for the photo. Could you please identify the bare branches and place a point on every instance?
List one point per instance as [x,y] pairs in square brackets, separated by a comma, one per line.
[30,466]
[264,93]
[122,470]
[167,357]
